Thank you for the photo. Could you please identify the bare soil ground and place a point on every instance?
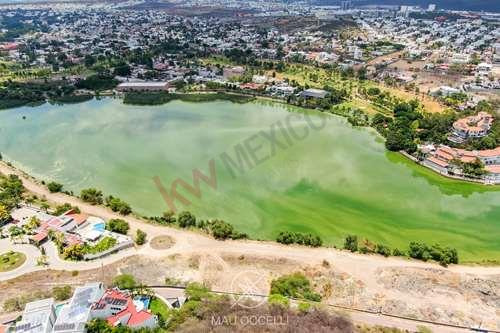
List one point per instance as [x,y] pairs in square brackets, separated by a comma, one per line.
[429,293]
[162,242]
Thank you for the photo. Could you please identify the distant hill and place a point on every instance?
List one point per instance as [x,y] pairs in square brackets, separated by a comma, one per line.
[475,5]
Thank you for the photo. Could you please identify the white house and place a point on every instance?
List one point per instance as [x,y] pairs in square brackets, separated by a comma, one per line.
[38,317]
[74,315]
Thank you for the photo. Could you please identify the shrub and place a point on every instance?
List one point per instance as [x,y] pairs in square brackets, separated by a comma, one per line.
[140,237]
[118,205]
[118,225]
[124,281]
[91,195]
[54,187]
[279,300]
[397,253]
[351,243]
[61,209]
[62,293]
[287,237]
[12,304]
[304,307]
[383,250]
[186,219]
[294,285]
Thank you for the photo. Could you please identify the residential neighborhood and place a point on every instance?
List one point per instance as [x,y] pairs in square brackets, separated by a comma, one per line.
[69,228]
[89,302]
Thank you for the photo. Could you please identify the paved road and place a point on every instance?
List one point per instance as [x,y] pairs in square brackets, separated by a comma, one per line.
[31,252]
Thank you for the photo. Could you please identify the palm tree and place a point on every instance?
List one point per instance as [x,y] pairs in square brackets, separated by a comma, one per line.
[45,206]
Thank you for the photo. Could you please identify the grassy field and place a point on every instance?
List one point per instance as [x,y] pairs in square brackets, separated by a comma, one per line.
[429,104]
[11,260]
[159,308]
[319,77]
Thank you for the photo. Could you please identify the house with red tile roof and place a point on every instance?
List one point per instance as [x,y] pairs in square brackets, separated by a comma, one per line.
[119,308]
[65,224]
[442,160]
[474,126]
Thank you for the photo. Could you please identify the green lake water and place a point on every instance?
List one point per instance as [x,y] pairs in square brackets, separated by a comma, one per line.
[336,181]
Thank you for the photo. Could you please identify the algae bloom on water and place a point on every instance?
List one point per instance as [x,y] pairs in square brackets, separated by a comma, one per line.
[334,181]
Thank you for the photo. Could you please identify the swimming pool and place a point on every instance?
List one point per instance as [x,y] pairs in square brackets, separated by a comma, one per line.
[99,226]
[142,302]
[58,308]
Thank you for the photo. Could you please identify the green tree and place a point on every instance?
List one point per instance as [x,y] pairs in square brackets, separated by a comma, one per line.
[33,223]
[54,187]
[118,225]
[122,70]
[98,326]
[61,209]
[124,281]
[295,285]
[74,252]
[169,217]
[419,251]
[351,243]
[221,229]
[4,215]
[383,250]
[118,205]
[91,195]
[186,219]
[140,237]
[62,293]
[89,60]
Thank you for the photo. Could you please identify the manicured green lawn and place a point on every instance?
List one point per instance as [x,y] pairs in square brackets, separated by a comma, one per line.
[158,307]
[11,260]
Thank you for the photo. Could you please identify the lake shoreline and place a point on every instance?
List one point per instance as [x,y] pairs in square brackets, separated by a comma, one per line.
[76,200]
[233,97]
[333,220]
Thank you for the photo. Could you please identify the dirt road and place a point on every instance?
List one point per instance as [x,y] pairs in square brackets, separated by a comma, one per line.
[463,295]
[188,241]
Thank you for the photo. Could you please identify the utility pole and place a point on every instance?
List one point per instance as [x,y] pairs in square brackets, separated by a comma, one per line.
[102,271]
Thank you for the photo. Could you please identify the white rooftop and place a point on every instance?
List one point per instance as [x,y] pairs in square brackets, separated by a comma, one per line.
[143,84]
[38,317]
[76,313]
[25,213]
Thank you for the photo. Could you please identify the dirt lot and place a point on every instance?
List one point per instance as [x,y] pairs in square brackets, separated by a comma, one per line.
[433,294]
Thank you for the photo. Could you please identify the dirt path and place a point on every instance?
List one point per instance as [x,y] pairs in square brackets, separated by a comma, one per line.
[187,241]
[463,295]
